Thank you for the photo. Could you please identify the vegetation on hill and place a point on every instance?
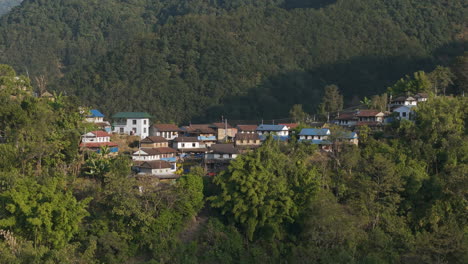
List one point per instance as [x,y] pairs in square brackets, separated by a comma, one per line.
[193,60]
[398,197]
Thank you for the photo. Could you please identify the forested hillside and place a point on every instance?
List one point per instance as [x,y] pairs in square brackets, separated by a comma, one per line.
[400,196]
[189,60]
[6,5]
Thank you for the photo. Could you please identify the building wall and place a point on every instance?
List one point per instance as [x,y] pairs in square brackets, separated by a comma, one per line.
[187,145]
[169,135]
[95,139]
[139,127]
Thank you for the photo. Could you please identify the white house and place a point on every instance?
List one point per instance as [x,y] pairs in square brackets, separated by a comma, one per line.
[314,133]
[222,152]
[159,168]
[279,130]
[95,136]
[150,154]
[404,100]
[346,119]
[405,112]
[94,140]
[131,123]
[167,131]
[188,144]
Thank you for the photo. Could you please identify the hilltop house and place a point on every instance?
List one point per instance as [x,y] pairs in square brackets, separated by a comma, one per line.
[189,145]
[370,117]
[224,131]
[149,154]
[279,130]
[131,123]
[346,119]
[404,100]
[404,112]
[246,129]
[96,117]
[154,142]
[202,132]
[243,139]
[168,131]
[159,168]
[94,140]
[219,157]
[314,134]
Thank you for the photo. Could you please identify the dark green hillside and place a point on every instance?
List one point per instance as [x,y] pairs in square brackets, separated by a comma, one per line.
[187,60]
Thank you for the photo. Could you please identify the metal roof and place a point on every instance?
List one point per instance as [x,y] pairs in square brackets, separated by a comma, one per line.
[314,132]
[127,115]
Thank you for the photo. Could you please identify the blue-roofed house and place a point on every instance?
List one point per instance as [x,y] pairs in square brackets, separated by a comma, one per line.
[94,116]
[279,130]
[314,134]
[351,137]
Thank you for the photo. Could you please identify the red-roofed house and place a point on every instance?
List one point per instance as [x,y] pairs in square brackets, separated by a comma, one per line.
[94,140]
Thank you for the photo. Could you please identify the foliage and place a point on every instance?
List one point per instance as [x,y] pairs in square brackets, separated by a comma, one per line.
[198,60]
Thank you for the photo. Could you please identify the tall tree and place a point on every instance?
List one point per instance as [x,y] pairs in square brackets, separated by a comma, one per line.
[332,100]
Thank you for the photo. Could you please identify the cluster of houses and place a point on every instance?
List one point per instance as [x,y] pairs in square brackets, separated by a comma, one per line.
[400,108]
[162,147]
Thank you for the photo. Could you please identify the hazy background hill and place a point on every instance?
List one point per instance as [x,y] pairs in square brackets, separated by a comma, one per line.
[198,60]
[6,5]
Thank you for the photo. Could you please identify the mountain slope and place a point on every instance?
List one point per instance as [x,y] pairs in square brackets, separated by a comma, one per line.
[187,60]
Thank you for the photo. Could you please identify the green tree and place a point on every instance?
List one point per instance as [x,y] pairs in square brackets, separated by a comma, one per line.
[332,100]
[44,213]
[441,78]
[298,114]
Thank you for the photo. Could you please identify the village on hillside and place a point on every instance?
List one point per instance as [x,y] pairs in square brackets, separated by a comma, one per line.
[165,151]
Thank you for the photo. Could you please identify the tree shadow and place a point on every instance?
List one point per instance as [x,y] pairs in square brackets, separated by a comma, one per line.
[356,78]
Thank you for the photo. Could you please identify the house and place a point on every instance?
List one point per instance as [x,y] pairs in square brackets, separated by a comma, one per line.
[189,145]
[370,117]
[346,119]
[94,140]
[421,97]
[202,132]
[154,142]
[47,95]
[96,117]
[167,131]
[131,123]
[149,154]
[159,168]
[314,134]
[224,131]
[404,100]
[244,139]
[404,112]
[350,137]
[219,157]
[279,130]
[246,129]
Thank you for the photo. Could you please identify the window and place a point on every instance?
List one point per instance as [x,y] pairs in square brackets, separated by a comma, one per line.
[193,144]
[134,122]
[121,130]
[183,145]
[403,114]
[144,122]
[144,130]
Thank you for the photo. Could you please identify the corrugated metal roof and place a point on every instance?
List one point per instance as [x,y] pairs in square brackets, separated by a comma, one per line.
[95,113]
[136,115]
[272,128]
[314,132]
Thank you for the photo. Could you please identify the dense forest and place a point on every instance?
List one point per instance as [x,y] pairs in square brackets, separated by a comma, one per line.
[7,5]
[198,60]
[398,197]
